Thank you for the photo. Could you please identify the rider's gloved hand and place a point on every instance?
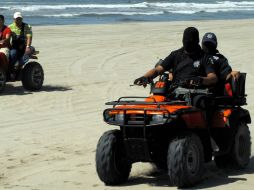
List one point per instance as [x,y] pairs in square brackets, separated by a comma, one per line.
[196,81]
[142,81]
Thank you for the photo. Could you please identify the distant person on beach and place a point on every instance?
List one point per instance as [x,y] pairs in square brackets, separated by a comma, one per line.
[188,62]
[22,39]
[5,34]
[223,69]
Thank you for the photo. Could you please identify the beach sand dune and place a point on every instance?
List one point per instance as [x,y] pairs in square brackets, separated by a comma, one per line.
[48,138]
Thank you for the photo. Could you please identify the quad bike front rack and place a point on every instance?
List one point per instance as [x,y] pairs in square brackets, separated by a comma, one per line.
[135,102]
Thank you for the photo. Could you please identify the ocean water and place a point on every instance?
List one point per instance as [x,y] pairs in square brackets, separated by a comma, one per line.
[56,12]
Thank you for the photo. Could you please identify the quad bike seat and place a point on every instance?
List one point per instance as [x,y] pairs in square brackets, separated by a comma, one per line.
[234,93]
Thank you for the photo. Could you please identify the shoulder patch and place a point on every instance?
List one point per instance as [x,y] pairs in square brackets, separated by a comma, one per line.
[215,57]
[196,64]
[211,60]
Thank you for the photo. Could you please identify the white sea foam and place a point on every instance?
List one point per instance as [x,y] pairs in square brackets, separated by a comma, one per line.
[104,13]
[182,6]
[206,7]
[146,8]
[75,6]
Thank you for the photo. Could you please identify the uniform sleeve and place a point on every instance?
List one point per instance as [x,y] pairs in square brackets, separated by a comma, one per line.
[225,68]
[168,62]
[209,65]
[28,30]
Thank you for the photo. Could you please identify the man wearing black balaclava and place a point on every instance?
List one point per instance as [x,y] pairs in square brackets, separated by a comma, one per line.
[188,62]
[191,40]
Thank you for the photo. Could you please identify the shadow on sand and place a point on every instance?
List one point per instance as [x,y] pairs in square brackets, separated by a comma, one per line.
[19,90]
[213,177]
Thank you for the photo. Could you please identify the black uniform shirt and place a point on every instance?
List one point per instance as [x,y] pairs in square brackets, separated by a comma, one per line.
[187,66]
[222,69]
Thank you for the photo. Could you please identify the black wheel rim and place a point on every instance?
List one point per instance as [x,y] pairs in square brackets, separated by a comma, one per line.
[193,161]
[37,75]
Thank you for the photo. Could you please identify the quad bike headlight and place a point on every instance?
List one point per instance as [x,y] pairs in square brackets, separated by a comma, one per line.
[113,117]
[159,118]
[119,118]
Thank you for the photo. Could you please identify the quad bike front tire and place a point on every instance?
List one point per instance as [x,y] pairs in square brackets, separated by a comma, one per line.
[239,155]
[32,76]
[112,165]
[2,80]
[185,161]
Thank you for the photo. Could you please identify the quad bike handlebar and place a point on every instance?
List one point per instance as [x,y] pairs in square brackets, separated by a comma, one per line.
[192,85]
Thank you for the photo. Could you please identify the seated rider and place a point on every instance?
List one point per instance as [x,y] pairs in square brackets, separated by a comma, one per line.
[188,62]
[22,39]
[5,34]
[222,68]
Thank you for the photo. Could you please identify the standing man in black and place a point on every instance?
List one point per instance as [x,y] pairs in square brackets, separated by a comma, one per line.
[188,62]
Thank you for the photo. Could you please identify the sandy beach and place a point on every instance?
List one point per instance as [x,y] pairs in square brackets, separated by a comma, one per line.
[48,138]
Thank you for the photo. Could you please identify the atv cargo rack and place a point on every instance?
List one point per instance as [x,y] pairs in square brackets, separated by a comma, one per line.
[134,102]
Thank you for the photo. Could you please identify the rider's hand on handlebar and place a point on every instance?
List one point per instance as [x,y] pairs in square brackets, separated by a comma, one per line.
[142,81]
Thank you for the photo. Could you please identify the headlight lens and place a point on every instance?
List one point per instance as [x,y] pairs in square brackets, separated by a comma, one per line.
[119,118]
[159,118]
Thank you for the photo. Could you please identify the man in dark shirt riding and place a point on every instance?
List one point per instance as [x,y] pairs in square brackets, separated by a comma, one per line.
[188,62]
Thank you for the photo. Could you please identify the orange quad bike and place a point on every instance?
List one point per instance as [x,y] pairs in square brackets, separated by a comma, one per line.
[167,130]
[30,73]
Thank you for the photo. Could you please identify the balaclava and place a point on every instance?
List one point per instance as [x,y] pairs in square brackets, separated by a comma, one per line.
[191,39]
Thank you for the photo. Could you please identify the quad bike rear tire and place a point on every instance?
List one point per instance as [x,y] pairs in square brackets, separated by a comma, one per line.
[112,165]
[2,80]
[32,76]
[239,155]
[185,161]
